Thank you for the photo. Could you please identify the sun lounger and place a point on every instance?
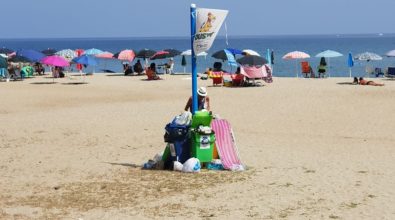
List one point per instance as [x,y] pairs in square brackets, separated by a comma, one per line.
[226,144]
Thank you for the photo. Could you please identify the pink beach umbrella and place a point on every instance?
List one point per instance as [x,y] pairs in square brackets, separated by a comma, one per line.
[128,55]
[55,61]
[105,54]
[295,55]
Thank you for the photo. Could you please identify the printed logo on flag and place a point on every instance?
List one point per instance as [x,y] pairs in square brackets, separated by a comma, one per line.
[208,23]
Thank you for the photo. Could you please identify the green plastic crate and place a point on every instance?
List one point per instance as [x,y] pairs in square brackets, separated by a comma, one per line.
[201,118]
[203,151]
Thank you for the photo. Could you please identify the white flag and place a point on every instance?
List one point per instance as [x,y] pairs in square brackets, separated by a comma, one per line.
[208,23]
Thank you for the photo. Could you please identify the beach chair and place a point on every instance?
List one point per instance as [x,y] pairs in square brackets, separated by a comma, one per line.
[390,73]
[226,145]
[307,71]
[253,73]
[237,79]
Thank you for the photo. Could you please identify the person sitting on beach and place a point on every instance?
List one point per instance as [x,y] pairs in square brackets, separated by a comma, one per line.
[138,68]
[217,67]
[364,82]
[128,71]
[203,101]
[321,71]
[151,72]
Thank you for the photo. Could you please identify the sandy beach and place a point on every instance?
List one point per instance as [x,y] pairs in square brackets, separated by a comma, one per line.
[314,148]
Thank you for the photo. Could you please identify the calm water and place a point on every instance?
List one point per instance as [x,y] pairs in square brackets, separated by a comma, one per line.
[280,44]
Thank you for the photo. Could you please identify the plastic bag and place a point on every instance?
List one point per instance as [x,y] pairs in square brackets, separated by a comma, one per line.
[192,165]
[177,166]
[184,119]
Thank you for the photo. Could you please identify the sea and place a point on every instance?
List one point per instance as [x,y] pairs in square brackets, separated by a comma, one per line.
[280,45]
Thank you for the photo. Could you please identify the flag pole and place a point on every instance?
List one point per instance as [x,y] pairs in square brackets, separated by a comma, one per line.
[193,59]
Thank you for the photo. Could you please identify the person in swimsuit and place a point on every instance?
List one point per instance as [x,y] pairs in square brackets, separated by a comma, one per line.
[203,100]
[370,83]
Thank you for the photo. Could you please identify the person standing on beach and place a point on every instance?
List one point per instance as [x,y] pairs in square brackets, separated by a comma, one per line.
[203,101]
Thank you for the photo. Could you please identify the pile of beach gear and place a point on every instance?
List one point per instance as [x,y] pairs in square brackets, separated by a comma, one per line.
[196,142]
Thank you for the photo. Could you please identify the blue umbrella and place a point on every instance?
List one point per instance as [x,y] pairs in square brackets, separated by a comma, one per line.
[328,54]
[32,55]
[350,62]
[86,60]
[93,51]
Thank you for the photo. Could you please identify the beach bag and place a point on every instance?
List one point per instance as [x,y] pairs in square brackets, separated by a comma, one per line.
[192,165]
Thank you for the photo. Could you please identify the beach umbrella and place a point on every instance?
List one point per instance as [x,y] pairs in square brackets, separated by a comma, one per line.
[145,53]
[350,62]
[250,52]
[55,61]
[6,50]
[173,52]
[105,54]
[85,60]
[223,54]
[125,55]
[3,55]
[390,53]
[295,55]
[92,51]
[368,56]
[160,55]
[19,59]
[252,60]
[189,53]
[32,55]
[49,52]
[68,54]
[328,54]
[3,62]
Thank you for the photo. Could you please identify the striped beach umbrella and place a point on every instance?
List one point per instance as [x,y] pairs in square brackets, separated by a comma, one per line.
[295,55]
[68,54]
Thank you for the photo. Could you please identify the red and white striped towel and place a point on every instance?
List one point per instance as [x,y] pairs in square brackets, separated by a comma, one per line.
[225,143]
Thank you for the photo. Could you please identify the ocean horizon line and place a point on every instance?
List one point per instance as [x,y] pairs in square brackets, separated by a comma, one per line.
[340,35]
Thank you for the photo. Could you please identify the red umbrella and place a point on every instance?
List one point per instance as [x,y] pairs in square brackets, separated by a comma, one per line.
[55,61]
[160,55]
[125,55]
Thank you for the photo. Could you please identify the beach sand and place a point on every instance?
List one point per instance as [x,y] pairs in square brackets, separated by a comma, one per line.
[314,148]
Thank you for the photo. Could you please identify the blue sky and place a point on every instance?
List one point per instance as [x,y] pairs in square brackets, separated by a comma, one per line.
[149,18]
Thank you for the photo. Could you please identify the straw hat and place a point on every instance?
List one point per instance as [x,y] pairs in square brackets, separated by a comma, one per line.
[202,91]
